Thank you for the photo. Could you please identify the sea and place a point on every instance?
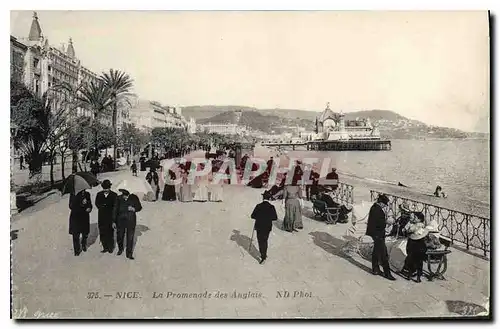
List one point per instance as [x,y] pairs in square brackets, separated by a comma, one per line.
[460,167]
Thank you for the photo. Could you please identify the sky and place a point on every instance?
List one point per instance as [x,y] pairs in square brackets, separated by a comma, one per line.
[428,66]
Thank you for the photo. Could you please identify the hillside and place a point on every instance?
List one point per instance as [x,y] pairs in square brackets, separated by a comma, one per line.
[207,111]
[257,121]
[391,124]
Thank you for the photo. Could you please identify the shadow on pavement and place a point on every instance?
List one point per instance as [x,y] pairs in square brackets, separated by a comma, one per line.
[308,212]
[465,308]
[244,241]
[333,245]
[278,224]
[93,234]
[139,229]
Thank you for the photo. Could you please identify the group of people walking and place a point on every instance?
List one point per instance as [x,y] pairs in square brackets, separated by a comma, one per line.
[201,189]
[115,212]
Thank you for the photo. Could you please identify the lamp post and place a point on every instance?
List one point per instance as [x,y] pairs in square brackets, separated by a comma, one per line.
[13,203]
[129,152]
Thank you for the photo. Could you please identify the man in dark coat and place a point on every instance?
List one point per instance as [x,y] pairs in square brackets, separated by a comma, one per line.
[105,202]
[270,164]
[343,210]
[94,167]
[125,219]
[312,189]
[377,221]
[142,161]
[332,175]
[264,214]
[79,220]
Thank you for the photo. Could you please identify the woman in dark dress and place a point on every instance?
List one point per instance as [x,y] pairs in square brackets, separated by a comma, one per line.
[169,189]
[416,248]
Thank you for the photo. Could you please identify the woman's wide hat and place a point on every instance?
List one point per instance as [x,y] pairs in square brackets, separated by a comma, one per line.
[419,234]
[405,206]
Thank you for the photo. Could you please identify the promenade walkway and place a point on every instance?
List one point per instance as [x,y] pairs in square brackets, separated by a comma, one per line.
[203,247]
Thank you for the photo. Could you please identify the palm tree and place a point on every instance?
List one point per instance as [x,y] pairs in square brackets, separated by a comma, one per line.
[98,99]
[119,85]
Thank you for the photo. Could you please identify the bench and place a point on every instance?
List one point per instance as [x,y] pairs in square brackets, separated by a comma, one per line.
[329,214]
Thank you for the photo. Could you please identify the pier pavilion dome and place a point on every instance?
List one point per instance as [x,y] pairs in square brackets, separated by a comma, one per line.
[327,120]
[327,114]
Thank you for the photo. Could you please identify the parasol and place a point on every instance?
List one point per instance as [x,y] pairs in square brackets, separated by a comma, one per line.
[79,181]
[134,185]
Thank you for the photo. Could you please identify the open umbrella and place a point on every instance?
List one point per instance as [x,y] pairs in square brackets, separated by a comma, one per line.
[134,185]
[79,181]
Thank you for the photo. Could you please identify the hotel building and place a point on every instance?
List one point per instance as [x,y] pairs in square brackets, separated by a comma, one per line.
[41,66]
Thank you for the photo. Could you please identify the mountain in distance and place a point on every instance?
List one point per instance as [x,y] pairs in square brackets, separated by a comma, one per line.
[258,121]
[391,124]
[207,111]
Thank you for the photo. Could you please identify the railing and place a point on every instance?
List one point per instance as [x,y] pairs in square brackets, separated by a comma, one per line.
[344,194]
[469,230]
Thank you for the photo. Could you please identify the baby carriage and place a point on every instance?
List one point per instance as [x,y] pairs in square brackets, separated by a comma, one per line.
[357,243]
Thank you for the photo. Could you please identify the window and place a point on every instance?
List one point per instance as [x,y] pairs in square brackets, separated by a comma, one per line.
[35,62]
[50,68]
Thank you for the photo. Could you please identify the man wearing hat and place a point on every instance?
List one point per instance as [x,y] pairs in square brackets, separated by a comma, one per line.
[264,214]
[377,221]
[125,219]
[105,201]
[333,176]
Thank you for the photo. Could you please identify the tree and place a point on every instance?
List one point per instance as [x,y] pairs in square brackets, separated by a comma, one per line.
[63,148]
[73,92]
[90,134]
[96,97]
[132,138]
[41,123]
[171,138]
[119,85]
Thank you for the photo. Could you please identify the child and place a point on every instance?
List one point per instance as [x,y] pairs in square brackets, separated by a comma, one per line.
[134,168]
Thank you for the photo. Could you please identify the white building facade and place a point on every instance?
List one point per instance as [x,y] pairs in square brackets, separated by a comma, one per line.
[147,115]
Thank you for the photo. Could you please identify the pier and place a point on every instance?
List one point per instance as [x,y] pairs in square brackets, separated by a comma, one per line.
[350,145]
[346,145]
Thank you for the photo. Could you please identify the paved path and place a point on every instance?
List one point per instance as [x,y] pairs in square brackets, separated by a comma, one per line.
[203,247]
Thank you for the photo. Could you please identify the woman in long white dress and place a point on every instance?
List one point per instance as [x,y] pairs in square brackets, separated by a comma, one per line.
[201,192]
[215,189]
